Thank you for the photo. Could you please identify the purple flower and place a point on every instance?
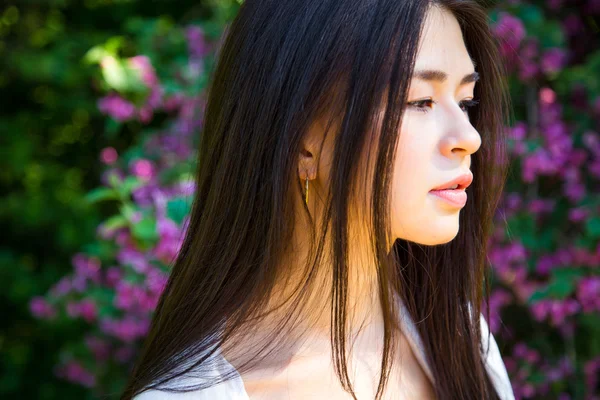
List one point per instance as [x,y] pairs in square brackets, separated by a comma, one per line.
[197,46]
[594,168]
[545,263]
[553,60]
[578,214]
[116,107]
[135,259]
[519,131]
[575,191]
[588,294]
[143,168]
[75,372]
[126,296]
[156,280]
[173,102]
[112,276]
[591,140]
[80,283]
[86,267]
[62,287]
[127,329]
[509,28]
[40,308]
[85,309]
[143,64]
[591,370]
[100,348]
[540,310]
[538,206]
[109,155]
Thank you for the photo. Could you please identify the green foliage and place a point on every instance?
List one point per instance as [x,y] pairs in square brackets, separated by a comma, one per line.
[52,133]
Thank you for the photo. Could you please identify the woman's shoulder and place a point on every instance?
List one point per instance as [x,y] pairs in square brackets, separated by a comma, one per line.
[232,388]
[225,390]
[494,363]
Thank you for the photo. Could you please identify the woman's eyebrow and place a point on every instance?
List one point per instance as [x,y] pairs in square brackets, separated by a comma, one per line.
[441,76]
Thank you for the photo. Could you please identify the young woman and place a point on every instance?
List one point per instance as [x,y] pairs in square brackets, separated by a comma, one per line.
[322,260]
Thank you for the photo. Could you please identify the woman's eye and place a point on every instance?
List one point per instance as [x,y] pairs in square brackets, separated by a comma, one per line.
[420,105]
[424,105]
[466,104]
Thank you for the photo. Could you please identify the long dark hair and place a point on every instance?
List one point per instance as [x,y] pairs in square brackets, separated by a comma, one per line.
[282,65]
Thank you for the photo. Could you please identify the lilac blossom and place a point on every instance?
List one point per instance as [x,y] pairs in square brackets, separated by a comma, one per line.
[40,308]
[109,155]
[75,372]
[553,60]
[117,107]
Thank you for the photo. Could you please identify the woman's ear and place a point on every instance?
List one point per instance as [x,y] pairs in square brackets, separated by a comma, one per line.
[307,165]
[310,148]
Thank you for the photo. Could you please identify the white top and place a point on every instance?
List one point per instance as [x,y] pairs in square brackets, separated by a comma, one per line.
[234,389]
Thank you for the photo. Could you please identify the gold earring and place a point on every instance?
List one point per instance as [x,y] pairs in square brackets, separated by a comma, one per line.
[306,197]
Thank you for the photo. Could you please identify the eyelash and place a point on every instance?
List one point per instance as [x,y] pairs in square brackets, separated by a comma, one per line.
[465,103]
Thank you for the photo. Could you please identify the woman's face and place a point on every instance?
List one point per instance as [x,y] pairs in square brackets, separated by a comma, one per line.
[436,139]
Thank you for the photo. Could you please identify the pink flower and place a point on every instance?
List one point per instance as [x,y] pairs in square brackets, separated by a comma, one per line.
[197,46]
[40,308]
[62,287]
[109,155]
[86,267]
[99,347]
[588,293]
[578,214]
[143,168]
[547,95]
[116,107]
[127,329]
[553,60]
[135,259]
[85,309]
[143,64]
[509,28]
[75,372]
[113,276]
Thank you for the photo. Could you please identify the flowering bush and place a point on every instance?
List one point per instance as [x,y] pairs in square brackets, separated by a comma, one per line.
[545,298]
[545,251]
[117,280]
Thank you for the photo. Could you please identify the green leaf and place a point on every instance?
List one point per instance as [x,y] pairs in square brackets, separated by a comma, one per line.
[145,229]
[559,289]
[538,295]
[592,227]
[128,210]
[177,209]
[115,74]
[114,180]
[115,222]
[112,127]
[129,184]
[531,15]
[100,194]
[95,55]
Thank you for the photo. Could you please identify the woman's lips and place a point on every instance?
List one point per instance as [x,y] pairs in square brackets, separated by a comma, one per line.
[456,197]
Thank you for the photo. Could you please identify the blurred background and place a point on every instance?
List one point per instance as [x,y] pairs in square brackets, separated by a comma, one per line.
[99,115]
